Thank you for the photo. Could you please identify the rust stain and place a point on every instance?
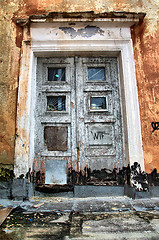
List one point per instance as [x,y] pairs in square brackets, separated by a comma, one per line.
[28,7]
[72,105]
[146,55]
[19,36]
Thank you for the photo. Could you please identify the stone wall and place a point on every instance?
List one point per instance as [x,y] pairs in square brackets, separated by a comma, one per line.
[146,56]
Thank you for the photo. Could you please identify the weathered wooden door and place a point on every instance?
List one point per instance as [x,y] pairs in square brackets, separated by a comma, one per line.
[78,123]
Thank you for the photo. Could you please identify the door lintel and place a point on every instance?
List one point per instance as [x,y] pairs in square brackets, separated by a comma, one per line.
[90,16]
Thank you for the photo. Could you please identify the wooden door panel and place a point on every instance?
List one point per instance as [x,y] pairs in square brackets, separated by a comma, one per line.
[55,117]
[78,115]
[100,115]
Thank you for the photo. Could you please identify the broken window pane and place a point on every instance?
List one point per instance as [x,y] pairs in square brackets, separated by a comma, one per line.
[56,138]
[56,74]
[56,103]
[96,74]
[97,103]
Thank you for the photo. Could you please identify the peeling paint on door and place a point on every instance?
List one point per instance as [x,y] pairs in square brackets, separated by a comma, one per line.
[87,133]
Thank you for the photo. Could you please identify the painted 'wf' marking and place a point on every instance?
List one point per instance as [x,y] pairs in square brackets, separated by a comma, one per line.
[98,135]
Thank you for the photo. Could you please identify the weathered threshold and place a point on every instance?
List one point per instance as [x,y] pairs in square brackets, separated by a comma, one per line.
[54,188]
[136,184]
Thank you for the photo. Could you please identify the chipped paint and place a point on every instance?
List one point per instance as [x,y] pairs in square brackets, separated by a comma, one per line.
[79,141]
[86,32]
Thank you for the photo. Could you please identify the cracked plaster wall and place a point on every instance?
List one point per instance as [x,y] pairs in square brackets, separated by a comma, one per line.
[146,57]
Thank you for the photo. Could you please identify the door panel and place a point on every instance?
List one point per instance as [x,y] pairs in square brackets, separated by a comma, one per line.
[78,116]
[55,118]
[99,124]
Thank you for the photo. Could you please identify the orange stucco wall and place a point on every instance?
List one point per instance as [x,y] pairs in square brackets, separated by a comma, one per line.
[146,56]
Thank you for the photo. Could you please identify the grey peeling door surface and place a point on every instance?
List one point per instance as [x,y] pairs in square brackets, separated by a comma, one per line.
[78,116]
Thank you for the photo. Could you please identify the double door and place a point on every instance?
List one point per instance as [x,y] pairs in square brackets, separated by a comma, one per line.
[78,122]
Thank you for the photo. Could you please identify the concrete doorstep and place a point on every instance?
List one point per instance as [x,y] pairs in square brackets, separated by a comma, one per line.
[20,189]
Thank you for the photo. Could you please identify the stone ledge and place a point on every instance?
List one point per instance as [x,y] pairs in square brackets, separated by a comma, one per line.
[134,194]
[78,16]
[20,189]
[98,191]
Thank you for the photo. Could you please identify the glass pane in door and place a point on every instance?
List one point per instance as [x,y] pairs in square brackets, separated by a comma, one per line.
[56,74]
[98,103]
[96,74]
[56,103]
